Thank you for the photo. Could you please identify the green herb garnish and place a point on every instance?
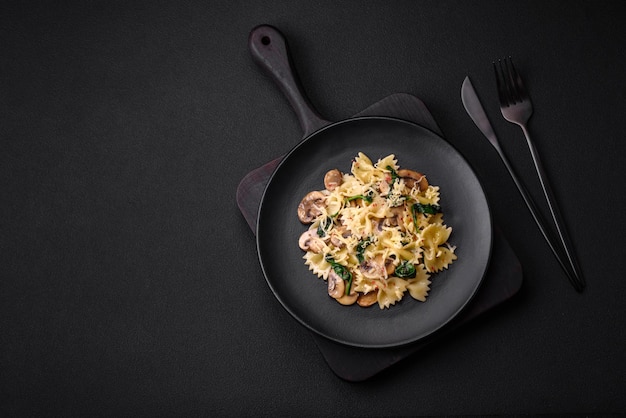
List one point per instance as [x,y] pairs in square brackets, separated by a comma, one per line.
[405,270]
[394,174]
[342,272]
[414,213]
[368,197]
[426,209]
[323,227]
[360,249]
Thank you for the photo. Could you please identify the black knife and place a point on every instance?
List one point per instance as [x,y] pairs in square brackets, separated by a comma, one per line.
[475,110]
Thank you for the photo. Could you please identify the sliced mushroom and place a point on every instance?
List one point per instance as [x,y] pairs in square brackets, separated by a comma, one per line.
[333,179]
[377,226]
[396,219]
[377,268]
[349,299]
[367,299]
[390,268]
[371,269]
[309,241]
[336,241]
[412,177]
[337,234]
[336,286]
[386,265]
[311,206]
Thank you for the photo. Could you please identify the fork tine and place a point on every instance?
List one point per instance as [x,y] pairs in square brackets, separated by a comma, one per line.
[504,88]
[510,83]
[511,78]
[511,89]
[499,86]
[519,84]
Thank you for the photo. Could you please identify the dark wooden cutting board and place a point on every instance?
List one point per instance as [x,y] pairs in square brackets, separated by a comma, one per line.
[503,278]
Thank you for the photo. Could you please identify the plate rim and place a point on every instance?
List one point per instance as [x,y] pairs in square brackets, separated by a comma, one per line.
[341,341]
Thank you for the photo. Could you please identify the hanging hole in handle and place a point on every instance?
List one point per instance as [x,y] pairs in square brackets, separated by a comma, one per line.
[266,40]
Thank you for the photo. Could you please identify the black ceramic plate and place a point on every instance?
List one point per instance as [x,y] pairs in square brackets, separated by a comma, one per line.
[305,296]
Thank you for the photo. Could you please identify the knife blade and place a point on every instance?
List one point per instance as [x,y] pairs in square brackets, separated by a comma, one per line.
[475,110]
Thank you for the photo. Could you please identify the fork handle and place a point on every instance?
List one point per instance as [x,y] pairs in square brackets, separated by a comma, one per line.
[532,207]
[554,210]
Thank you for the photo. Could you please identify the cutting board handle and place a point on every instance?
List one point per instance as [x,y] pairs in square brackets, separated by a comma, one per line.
[269,50]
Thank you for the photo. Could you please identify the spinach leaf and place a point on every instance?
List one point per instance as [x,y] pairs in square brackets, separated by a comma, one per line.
[342,272]
[360,249]
[394,175]
[405,270]
[368,197]
[426,209]
[323,227]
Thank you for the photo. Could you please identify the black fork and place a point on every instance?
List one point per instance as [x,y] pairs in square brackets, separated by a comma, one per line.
[517,108]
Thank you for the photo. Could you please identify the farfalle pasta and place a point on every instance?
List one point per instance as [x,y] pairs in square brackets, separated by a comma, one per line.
[375,234]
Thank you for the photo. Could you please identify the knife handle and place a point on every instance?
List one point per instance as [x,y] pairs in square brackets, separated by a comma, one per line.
[540,221]
[554,210]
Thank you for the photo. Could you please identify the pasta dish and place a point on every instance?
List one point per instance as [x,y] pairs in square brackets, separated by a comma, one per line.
[375,233]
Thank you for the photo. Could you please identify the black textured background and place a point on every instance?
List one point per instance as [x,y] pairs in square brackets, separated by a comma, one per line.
[130,283]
